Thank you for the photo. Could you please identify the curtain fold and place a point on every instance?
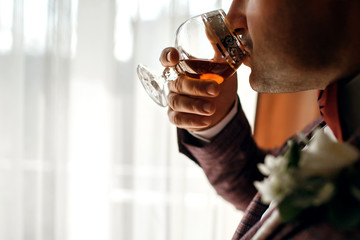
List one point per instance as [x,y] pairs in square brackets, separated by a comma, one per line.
[34,77]
[84,152]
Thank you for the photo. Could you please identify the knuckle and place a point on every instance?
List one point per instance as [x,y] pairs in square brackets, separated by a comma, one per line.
[171,115]
[171,86]
[177,119]
[174,117]
[172,100]
[169,112]
[197,106]
[178,85]
[193,123]
[195,89]
[206,122]
[198,88]
[202,107]
[192,87]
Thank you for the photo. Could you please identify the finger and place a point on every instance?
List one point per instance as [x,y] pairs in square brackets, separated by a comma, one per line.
[194,87]
[191,122]
[169,57]
[185,104]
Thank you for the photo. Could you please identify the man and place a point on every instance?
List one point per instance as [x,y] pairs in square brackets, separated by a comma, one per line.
[291,46]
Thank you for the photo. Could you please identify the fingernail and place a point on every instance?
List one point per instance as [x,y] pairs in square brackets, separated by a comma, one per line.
[168,56]
[211,89]
[207,107]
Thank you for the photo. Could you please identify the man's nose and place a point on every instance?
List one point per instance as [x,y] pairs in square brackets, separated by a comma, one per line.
[237,15]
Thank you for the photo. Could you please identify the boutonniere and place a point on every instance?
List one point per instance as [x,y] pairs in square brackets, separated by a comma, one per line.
[324,176]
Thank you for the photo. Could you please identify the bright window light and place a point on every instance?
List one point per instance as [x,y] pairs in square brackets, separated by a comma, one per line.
[35,27]
[6,23]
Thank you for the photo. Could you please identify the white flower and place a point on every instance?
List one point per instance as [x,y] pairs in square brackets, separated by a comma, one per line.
[273,165]
[324,157]
[274,188]
[279,183]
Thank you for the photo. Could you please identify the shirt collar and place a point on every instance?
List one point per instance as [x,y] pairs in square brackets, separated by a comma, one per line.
[349,106]
[339,106]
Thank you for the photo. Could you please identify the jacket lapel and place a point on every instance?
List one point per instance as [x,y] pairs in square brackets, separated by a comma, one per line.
[252,215]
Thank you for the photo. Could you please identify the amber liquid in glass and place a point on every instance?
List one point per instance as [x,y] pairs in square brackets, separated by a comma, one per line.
[206,69]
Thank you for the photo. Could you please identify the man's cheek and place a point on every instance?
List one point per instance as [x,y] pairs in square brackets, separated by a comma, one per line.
[256,19]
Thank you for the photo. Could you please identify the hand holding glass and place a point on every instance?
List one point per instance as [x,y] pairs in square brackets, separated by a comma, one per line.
[208,49]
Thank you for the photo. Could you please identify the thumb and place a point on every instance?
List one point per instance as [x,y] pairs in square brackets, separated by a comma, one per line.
[169,57]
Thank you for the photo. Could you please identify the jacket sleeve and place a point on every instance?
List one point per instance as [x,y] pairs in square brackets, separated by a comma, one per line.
[229,160]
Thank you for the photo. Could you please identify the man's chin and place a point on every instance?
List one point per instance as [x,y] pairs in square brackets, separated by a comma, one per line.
[254,83]
[262,85]
[247,61]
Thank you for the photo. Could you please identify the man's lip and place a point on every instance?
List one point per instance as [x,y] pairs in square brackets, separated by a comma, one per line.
[239,31]
[245,51]
[247,60]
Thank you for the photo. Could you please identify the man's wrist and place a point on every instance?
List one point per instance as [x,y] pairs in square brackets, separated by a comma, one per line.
[208,134]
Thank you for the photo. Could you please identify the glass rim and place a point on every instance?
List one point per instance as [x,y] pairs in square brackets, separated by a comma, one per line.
[228,42]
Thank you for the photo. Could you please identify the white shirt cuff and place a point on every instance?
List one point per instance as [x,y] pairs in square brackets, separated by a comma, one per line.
[208,134]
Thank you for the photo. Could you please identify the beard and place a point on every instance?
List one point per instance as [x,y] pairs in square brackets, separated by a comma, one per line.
[275,75]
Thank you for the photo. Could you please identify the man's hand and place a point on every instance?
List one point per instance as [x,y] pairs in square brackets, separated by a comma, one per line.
[197,104]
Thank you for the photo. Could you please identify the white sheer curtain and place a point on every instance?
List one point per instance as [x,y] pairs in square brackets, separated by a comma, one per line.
[84,153]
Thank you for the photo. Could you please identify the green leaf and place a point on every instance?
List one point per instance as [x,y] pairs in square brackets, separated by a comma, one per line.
[344,210]
[355,192]
[352,178]
[293,154]
[288,211]
[354,175]
[307,193]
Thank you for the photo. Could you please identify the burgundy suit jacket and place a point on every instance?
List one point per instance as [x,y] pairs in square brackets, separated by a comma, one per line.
[230,163]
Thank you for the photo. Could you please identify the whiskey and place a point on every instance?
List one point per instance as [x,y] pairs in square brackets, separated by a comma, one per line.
[206,69]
